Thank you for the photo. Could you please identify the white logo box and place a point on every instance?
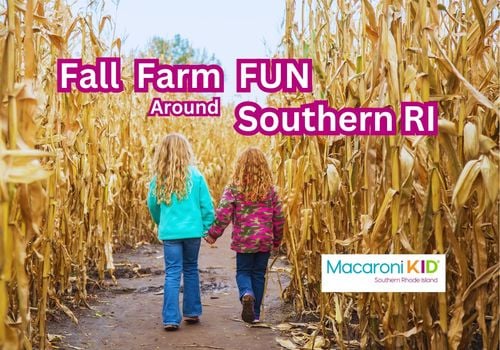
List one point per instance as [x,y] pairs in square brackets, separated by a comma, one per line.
[383,273]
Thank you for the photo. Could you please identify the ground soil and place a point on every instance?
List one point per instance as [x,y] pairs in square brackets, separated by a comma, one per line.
[128,315]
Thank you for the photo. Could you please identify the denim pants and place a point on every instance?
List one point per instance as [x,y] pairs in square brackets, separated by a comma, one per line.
[251,276]
[181,257]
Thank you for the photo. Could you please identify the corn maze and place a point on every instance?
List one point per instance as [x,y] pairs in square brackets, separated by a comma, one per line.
[74,168]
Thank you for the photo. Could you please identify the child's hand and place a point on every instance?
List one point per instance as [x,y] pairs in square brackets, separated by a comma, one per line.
[209,239]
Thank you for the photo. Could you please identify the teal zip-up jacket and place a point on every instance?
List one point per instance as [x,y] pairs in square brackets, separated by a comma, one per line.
[190,217]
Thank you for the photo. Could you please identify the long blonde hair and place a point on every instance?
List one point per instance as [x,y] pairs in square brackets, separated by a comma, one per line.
[171,166]
[252,175]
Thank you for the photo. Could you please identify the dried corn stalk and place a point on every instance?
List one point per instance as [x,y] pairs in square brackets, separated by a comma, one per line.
[74,168]
[397,194]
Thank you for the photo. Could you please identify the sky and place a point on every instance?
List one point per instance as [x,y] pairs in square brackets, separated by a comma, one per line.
[229,29]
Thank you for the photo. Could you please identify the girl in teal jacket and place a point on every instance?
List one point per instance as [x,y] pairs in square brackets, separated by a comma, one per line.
[180,204]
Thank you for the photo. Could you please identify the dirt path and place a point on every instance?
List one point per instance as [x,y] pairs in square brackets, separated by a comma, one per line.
[128,315]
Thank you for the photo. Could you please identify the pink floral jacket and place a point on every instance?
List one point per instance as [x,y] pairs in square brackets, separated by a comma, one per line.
[257,226]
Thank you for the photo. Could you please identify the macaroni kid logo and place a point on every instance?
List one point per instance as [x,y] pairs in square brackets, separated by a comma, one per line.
[412,266]
[384,273]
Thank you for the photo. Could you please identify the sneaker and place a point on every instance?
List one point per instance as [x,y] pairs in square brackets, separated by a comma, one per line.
[171,327]
[192,319]
[248,314]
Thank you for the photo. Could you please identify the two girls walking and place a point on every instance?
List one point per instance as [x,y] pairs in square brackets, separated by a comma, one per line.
[180,204]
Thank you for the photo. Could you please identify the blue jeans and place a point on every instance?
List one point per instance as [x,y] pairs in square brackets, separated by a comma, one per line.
[251,276]
[181,256]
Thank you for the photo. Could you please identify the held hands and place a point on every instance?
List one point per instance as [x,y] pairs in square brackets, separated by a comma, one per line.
[209,239]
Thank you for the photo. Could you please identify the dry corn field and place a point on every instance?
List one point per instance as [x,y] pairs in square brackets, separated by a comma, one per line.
[398,194]
[74,168]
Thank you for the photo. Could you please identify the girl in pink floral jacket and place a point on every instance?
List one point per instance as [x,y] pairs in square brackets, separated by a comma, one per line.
[252,205]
